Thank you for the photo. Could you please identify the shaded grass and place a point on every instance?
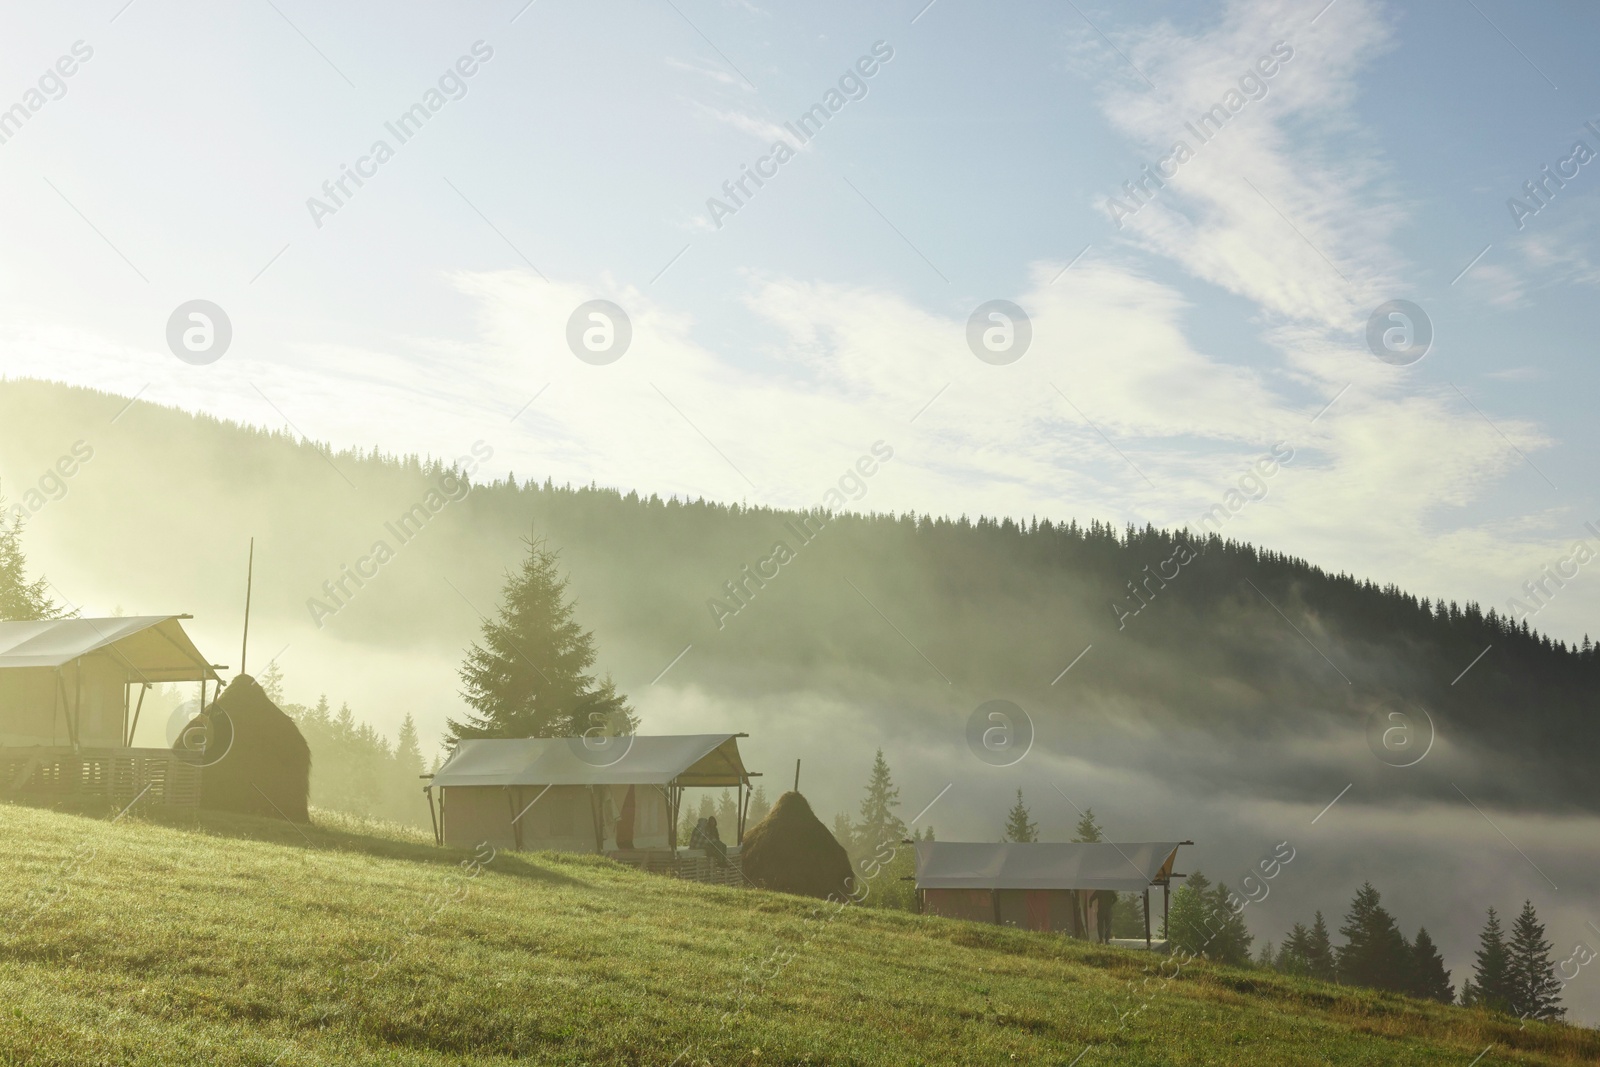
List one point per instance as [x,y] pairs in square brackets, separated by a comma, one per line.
[240,941]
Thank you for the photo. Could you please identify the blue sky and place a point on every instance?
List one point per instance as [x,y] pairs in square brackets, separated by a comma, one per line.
[831,309]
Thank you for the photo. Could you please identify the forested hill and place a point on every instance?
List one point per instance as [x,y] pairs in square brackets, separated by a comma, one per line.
[1213,663]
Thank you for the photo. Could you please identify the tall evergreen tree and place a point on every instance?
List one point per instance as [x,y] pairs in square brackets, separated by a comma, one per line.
[1321,962]
[20,599]
[1375,954]
[1230,938]
[1429,979]
[1535,989]
[271,683]
[1490,986]
[1186,929]
[1088,831]
[878,822]
[844,831]
[530,675]
[1294,954]
[759,806]
[1018,826]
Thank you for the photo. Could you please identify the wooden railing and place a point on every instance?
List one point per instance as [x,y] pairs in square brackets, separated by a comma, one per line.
[91,777]
[692,865]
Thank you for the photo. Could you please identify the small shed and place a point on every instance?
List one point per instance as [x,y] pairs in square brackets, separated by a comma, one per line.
[68,714]
[580,794]
[68,681]
[1041,886]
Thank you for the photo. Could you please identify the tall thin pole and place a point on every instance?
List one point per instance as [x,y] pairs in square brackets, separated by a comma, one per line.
[249,579]
[797,776]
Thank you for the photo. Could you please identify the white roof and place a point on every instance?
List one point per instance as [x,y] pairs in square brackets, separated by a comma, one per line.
[150,648]
[687,759]
[1103,865]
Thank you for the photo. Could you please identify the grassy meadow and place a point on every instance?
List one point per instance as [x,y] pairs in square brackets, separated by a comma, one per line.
[243,942]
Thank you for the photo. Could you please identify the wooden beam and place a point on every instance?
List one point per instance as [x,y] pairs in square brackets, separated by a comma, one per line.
[1146,916]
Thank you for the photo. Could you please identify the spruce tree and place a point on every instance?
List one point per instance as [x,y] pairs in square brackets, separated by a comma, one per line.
[759,806]
[1320,960]
[1429,979]
[20,599]
[271,683]
[1229,940]
[1491,971]
[1535,989]
[1088,831]
[1294,954]
[844,832]
[1185,929]
[879,823]
[529,676]
[1018,826]
[1265,959]
[1375,954]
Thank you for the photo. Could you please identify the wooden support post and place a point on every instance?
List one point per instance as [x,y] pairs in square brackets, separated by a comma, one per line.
[597,809]
[1146,916]
[438,839]
[797,776]
[1166,892]
[133,729]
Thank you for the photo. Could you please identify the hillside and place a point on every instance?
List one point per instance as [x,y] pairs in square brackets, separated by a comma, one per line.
[242,942]
[1249,693]
[909,621]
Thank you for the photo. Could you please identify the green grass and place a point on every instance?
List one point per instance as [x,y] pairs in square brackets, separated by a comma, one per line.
[244,942]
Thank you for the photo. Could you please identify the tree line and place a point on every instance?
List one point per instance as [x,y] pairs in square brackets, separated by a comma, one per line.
[1514,975]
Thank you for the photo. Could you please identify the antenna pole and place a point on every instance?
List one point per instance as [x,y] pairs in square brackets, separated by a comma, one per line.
[797,776]
[249,579]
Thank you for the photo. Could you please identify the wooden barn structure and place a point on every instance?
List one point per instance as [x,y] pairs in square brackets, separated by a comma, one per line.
[68,711]
[1043,886]
[614,795]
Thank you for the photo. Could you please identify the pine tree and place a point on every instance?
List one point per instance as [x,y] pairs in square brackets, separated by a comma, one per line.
[529,676]
[1088,831]
[1230,938]
[844,831]
[1375,954]
[1018,826]
[759,806]
[1491,972]
[20,599]
[1535,989]
[727,814]
[1265,958]
[1185,929]
[1320,961]
[271,683]
[1294,955]
[1429,979]
[879,823]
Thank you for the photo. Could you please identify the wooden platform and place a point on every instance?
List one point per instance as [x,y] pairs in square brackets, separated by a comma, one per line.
[90,778]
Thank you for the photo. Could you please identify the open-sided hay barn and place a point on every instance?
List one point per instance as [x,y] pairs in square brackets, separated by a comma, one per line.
[573,794]
[68,713]
[1043,886]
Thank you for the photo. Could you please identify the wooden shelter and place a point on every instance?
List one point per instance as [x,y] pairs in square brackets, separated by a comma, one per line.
[68,712]
[577,794]
[1040,886]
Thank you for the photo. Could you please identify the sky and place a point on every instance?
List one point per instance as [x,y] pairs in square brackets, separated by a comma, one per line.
[1178,333]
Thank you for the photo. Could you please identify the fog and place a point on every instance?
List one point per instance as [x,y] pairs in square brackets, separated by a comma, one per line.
[1222,726]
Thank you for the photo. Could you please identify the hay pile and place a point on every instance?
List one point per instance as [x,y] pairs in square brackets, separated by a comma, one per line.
[792,852]
[252,756]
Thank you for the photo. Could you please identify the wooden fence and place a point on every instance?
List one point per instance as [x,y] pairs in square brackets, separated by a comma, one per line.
[95,777]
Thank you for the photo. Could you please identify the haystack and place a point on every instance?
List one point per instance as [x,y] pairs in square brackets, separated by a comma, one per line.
[792,852]
[253,758]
